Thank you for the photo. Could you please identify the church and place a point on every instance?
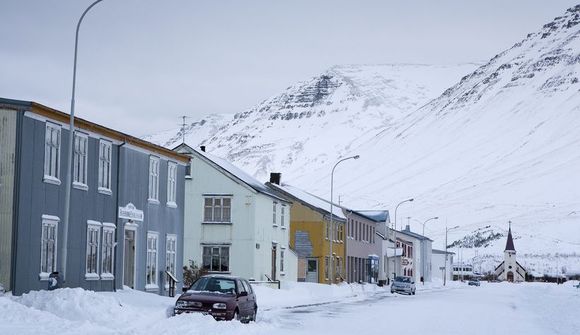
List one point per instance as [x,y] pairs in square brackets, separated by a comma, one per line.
[510,270]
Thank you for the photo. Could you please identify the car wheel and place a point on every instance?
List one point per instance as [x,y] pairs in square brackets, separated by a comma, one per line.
[413,292]
[236,315]
[255,314]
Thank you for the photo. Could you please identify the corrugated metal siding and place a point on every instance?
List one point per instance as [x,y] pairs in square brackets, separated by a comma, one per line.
[7,161]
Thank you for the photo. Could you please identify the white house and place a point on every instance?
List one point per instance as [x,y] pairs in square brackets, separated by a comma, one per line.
[510,270]
[438,266]
[416,259]
[233,223]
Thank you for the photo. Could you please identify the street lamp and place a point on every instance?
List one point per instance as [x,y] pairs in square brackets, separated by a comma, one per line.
[64,244]
[331,230]
[445,273]
[423,247]
[395,233]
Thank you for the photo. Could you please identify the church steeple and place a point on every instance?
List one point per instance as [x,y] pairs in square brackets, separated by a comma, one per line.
[510,241]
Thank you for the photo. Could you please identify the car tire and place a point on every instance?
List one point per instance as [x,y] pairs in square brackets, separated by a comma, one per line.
[236,315]
[413,292]
[255,314]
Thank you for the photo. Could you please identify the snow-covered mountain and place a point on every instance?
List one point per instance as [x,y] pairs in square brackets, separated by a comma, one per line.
[502,143]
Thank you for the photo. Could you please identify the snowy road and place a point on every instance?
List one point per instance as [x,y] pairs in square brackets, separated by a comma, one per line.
[489,309]
[492,308]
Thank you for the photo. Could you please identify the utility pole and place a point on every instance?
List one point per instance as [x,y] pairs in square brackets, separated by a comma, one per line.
[183,124]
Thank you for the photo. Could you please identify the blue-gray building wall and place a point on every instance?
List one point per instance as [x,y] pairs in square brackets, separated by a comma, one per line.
[158,217]
[36,198]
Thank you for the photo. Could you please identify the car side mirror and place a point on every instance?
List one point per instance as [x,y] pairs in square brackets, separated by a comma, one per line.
[184,289]
[243,294]
[412,282]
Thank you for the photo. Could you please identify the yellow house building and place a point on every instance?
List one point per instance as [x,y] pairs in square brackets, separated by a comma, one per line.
[310,230]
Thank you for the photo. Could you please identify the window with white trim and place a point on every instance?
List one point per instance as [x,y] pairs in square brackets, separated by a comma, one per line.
[151,275]
[216,258]
[52,153]
[171,184]
[48,245]
[282,260]
[170,254]
[217,209]
[108,253]
[81,143]
[274,205]
[153,178]
[105,152]
[282,215]
[93,242]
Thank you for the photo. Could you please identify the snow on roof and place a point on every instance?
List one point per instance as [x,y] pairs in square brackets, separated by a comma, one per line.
[312,200]
[238,174]
[437,251]
[375,215]
[415,235]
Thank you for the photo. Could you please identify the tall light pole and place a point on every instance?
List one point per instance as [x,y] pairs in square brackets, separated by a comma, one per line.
[423,251]
[64,244]
[395,233]
[445,273]
[331,230]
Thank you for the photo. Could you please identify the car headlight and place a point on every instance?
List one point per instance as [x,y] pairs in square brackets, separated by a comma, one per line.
[219,305]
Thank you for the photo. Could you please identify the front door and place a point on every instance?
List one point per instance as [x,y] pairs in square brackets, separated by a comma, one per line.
[129,259]
[312,270]
[273,262]
[510,276]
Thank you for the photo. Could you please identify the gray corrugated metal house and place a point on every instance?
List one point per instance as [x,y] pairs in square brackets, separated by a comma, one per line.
[126,217]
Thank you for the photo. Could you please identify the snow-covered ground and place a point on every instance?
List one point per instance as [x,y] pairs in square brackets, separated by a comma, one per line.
[530,308]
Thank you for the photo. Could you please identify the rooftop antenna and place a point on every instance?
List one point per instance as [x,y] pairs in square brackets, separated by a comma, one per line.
[183,129]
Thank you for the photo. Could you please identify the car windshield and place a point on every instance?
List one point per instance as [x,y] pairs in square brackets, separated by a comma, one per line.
[214,285]
[403,279]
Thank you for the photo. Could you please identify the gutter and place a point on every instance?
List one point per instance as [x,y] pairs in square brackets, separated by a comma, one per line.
[117,197]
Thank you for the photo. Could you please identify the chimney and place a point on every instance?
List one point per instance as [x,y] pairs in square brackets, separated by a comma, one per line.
[407,228]
[202,148]
[275,178]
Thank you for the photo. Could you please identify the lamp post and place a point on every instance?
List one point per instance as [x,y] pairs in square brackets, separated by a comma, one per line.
[395,233]
[64,244]
[445,273]
[331,230]
[423,247]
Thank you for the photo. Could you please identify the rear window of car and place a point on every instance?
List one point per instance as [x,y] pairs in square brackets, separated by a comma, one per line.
[214,285]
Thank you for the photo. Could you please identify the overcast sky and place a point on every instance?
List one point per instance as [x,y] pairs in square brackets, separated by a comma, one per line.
[144,63]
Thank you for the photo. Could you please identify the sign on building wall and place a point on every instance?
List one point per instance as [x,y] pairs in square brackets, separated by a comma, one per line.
[130,212]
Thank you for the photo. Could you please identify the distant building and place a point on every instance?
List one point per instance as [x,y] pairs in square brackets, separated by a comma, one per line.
[462,271]
[126,210]
[510,270]
[416,257]
[439,259]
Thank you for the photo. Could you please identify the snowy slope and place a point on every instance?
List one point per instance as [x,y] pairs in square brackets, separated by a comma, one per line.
[502,143]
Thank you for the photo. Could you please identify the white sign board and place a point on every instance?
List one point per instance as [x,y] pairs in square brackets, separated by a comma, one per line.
[130,212]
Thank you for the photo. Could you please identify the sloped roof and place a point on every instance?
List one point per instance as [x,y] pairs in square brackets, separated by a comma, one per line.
[310,200]
[442,252]
[237,173]
[374,215]
[415,235]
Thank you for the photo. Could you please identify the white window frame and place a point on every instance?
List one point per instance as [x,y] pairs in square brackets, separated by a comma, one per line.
[283,216]
[172,184]
[170,255]
[49,222]
[151,273]
[274,218]
[93,227]
[52,154]
[105,159]
[213,206]
[80,163]
[282,251]
[211,247]
[108,247]
[154,163]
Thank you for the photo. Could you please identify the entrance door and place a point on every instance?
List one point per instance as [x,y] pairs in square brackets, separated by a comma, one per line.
[129,259]
[510,276]
[273,262]
[312,270]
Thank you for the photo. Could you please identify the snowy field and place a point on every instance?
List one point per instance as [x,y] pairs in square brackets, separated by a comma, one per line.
[530,308]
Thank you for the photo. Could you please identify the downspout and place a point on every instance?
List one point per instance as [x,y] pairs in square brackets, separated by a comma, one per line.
[117,197]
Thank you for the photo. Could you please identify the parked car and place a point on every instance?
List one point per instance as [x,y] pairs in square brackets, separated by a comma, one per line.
[223,297]
[473,282]
[403,284]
